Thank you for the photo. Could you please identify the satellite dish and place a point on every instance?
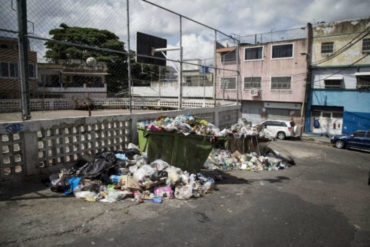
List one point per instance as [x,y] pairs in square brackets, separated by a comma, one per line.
[91,61]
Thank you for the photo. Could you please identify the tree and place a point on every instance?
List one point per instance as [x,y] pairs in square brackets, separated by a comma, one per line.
[117,63]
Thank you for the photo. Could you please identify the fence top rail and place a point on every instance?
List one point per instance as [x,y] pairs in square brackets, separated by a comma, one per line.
[36,125]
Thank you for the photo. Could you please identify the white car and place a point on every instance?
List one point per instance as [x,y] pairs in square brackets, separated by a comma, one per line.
[279,129]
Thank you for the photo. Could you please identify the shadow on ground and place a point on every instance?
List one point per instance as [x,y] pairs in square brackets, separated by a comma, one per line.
[222,177]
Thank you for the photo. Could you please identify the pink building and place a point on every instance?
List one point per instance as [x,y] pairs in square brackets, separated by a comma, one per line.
[272,82]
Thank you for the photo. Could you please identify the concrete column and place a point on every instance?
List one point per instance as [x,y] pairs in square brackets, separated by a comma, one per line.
[30,154]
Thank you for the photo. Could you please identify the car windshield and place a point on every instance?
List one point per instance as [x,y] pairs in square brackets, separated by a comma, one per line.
[359,134]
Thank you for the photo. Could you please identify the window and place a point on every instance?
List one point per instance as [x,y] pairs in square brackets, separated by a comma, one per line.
[326,114]
[13,70]
[253,53]
[252,82]
[280,82]
[365,45]
[359,134]
[337,114]
[327,47]
[228,57]
[368,134]
[282,51]
[228,83]
[363,82]
[333,83]
[31,70]
[4,67]
[275,123]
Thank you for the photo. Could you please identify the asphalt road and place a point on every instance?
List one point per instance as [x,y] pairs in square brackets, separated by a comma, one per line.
[323,201]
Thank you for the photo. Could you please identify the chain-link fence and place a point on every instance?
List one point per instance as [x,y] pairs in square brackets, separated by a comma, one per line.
[77,51]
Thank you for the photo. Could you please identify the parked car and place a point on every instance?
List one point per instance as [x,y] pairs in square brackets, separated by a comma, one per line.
[279,129]
[358,140]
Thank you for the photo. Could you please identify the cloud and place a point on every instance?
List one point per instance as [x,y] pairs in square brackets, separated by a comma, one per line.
[231,16]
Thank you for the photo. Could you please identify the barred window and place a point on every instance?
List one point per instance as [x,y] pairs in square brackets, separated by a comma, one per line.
[280,82]
[252,82]
[366,45]
[228,83]
[228,57]
[327,47]
[363,82]
[333,83]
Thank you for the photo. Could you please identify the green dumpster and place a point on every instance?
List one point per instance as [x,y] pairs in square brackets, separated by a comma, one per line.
[186,152]
[143,141]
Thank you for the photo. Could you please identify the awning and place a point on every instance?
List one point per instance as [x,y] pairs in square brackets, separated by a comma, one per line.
[362,74]
[226,49]
[334,77]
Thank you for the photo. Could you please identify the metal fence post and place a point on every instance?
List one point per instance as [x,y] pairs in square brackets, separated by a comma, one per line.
[23,58]
[215,73]
[128,50]
[180,70]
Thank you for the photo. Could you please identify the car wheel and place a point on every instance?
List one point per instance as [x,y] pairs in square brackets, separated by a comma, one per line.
[281,135]
[339,144]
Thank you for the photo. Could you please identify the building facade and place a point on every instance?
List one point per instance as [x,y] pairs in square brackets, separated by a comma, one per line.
[10,85]
[339,97]
[73,79]
[272,79]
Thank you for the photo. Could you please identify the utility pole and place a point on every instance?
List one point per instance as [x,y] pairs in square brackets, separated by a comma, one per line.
[128,56]
[238,79]
[215,71]
[23,58]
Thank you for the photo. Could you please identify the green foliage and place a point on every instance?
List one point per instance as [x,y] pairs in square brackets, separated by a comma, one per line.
[117,63]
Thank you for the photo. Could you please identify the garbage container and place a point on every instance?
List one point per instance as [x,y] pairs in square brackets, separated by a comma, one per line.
[243,144]
[143,141]
[186,152]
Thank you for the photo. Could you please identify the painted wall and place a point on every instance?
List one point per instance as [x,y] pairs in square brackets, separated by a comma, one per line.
[349,78]
[351,100]
[355,103]
[296,67]
[341,33]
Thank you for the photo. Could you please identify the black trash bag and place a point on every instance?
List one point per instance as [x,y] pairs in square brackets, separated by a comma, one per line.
[101,163]
[58,184]
[130,153]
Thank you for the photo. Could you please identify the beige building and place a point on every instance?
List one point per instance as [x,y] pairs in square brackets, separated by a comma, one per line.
[9,69]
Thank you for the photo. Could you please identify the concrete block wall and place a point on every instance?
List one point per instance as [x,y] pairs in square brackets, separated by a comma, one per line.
[36,147]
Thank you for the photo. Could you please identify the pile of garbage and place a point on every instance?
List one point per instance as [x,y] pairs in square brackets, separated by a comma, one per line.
[184,124]
[187,124]
[114,176]
[220,159]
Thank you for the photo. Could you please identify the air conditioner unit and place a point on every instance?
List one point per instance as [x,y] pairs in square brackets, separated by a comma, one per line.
[255,92]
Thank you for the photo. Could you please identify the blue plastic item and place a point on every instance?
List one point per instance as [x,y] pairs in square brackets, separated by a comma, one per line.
[73,182]
[121,157]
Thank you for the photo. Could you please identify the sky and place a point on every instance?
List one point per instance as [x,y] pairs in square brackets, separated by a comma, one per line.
[237,17]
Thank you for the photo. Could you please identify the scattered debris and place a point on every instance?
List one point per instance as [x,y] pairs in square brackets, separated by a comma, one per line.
[115,176]
[220,159]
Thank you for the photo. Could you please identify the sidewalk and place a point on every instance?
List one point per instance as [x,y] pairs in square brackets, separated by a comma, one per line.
[315,138]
